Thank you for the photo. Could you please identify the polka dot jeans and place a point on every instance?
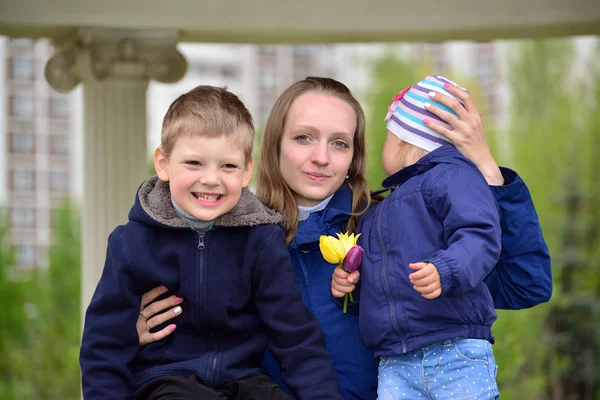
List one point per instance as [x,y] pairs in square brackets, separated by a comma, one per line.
[457,369]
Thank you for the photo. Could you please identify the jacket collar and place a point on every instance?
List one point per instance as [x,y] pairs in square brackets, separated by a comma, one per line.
[328,221]
[446,154]
[153,206]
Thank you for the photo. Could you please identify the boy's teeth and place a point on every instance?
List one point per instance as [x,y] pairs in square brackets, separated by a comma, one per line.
[208,198]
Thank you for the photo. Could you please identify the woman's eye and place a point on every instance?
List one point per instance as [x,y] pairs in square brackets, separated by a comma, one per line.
[229,166]
[340,144]
[194,163]
[302,138]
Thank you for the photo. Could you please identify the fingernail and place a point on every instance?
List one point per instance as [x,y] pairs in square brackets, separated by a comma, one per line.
[172,327]
[447,85]
[177,310]
[427,105]
[178,299]
[426,122]
[431,94]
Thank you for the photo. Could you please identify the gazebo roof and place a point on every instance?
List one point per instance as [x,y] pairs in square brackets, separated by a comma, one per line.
[314,21]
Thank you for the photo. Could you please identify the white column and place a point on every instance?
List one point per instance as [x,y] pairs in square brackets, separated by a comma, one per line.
[114,67]
[114,164]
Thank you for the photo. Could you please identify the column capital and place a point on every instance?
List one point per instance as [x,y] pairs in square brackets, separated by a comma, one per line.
[96,54]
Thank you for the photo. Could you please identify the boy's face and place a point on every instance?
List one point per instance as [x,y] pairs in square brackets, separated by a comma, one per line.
[205,175]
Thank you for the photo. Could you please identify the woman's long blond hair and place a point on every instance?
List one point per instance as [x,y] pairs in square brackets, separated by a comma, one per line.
[271,187]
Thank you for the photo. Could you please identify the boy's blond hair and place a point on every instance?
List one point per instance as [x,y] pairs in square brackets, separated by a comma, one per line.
[208,111]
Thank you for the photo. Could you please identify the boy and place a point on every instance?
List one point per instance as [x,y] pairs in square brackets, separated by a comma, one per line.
[198,230]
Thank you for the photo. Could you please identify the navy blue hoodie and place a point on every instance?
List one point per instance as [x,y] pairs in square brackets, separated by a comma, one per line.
[442,212]
[241,299]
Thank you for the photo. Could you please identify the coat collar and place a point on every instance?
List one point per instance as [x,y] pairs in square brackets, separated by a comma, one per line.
[153,206]
[328,221]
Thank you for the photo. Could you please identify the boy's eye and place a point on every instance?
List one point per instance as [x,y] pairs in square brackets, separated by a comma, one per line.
[340,144]
[230,166]
[192,162]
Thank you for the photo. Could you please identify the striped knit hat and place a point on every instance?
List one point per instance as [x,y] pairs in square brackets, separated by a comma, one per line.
[405,115]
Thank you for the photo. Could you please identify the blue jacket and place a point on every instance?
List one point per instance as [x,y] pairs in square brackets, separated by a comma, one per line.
[355,365]
[442,211]
[240,293]
[521,279]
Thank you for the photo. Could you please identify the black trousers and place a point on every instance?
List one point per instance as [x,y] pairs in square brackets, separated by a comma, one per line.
[258,387]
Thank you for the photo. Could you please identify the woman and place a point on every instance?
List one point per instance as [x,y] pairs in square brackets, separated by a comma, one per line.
[312,171]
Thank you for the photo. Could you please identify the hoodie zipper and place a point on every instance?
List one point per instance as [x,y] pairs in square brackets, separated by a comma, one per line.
[201,248]
[201,256]
[385,283]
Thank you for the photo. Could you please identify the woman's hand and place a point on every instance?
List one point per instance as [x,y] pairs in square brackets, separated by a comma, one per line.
[149,318]
[343,282]
[468,135]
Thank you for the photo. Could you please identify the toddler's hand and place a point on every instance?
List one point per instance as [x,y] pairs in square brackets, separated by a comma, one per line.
[426,280]
[343,282]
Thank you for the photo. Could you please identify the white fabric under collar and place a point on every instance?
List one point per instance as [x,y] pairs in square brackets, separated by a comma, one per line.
[305,211]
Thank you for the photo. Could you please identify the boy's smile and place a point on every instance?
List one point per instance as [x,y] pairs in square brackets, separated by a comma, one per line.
[208,199]
[205,174]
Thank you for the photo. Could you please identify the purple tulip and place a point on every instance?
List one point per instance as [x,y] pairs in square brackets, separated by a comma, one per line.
[353,259]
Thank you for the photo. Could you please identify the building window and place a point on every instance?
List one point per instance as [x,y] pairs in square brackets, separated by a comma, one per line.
[21,69]
[24,255]
[21,106]
[59,144]
[267,50]
[23,180]
[228,72]
[59,181]
[59,107]
[486,67]
[302,50]
[22,216]
[267,79]
[22,42]
[21,142]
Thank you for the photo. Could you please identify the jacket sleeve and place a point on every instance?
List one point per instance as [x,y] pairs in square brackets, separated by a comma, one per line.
[110,339]
[465,204]
[523,276]
[295,337]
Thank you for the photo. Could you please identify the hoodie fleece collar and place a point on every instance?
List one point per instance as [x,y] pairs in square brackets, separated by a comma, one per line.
[153,206]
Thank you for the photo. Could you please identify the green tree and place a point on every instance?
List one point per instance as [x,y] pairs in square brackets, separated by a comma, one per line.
[40,330]
[555,138]
[13,321]
[390,74]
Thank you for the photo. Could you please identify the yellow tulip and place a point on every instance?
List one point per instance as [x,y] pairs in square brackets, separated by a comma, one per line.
[349,241]
[332,249]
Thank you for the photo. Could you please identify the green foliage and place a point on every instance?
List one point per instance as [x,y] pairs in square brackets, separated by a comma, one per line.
[390,74]
[41,328]
[555,139]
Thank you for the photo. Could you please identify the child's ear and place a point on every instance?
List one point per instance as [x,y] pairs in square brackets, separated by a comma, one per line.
[248,173]
[161,164]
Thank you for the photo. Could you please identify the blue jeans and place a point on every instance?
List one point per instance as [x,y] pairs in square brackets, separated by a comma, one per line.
[457,369]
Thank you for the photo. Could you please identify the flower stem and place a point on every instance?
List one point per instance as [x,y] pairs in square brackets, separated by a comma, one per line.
[351,298]
[345,302]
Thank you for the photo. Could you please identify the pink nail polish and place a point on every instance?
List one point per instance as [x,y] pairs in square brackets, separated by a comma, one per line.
[178,299]
[447,85]
[172,327]
[163,288]
[426,122]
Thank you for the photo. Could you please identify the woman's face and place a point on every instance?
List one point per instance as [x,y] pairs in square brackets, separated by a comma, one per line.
[317,146]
